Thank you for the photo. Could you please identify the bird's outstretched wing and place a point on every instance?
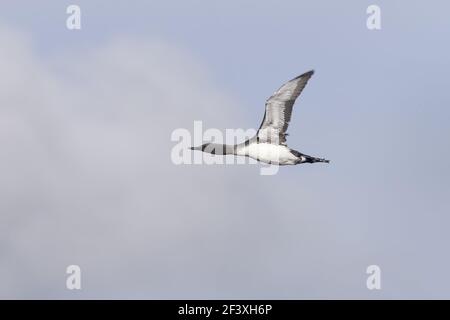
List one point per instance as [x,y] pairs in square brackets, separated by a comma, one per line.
[279,110]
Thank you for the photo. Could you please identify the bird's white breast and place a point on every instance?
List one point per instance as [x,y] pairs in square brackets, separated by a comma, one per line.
[268,153]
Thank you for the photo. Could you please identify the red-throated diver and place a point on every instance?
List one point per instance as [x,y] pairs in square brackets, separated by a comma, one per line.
[269,143]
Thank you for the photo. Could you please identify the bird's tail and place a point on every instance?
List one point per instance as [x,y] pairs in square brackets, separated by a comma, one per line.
[310,159]
[302,158]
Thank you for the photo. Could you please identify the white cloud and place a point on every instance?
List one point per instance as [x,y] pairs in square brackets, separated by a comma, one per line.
[87,177]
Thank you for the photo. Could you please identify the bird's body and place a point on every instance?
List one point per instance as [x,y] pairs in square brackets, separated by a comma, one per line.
[269,144]
[268,153]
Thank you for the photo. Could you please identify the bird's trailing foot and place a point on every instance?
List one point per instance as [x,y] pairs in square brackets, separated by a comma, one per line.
[309,159]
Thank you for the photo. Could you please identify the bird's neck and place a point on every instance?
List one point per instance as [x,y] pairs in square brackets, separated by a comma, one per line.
[219,149]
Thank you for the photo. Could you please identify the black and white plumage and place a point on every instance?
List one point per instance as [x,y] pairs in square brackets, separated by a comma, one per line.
[269,144]
[279,110]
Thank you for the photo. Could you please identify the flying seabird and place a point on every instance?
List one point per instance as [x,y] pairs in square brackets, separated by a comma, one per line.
[269,143]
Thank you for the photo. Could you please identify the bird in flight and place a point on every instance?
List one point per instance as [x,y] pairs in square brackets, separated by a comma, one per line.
[269,143]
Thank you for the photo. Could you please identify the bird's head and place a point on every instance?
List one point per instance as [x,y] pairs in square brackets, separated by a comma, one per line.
[214,148]
[200,148]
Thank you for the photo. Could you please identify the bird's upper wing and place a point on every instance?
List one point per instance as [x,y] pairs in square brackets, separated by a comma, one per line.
[279,110]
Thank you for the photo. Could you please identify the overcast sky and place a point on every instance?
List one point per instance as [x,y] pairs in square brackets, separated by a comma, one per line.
[86,176]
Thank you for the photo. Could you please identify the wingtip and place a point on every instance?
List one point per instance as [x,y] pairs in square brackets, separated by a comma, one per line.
[309,73]
[306,74]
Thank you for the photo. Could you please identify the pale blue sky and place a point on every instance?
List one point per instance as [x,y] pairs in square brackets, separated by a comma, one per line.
[102,197]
